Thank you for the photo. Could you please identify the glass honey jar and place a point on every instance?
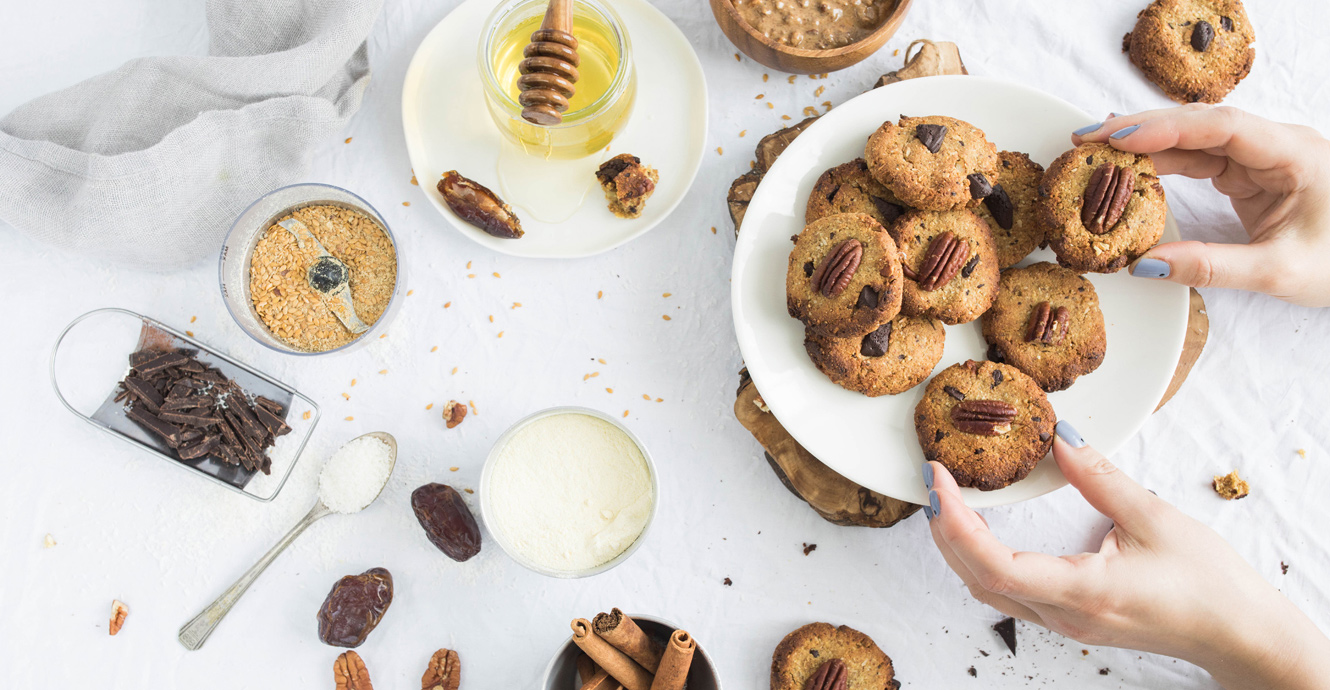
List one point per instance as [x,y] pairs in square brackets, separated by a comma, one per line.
[604,93]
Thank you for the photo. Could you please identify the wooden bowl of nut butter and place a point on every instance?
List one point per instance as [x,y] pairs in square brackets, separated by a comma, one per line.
[809,36]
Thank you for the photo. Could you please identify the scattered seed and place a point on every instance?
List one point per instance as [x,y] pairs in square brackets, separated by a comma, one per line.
[429,406]
[453,469]
[1302,452]
[625,413]
[192,319]
[434,349]
[602,360]
[447,304]
[500,334]
[818,91]
[454,370]
[784,117]
[306,415]
[408,292]
[406,203]
[472,403]
[413,180]
[665,316]
[348,140]
[609,390]
[793,77]
[470,491]
[600,293]
[353,382]
[667,294]
[742,132]
[382,336]
[189,333]
[765,77]
[760,96]
[496,274]
[770,106]
[713,229]
[349,418]
[660,399]
[895,52]
[592,375]
[645,396]
[810,111]
[471,275]
[48,542]
[468,265]
[736,59]
[346,395]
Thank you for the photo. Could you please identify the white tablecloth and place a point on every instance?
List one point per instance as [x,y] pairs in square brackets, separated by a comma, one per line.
[166,542]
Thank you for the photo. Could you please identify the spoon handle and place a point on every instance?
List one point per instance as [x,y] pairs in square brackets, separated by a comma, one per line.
[194,633]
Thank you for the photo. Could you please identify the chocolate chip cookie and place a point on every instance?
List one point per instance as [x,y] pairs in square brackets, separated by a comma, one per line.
[1047,323]
[849,188]
[844,278]
[934,163]
[1195,50]
[804,652]
[1010,208]
[1101,208]
[896,357]
[949,263]
[988,423]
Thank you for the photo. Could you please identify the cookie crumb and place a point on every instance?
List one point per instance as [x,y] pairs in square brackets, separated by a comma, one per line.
[973,673]
[1231,487]
[1103,671]
[306,415]
[1302,452]
[727,582]
[1283,568]
[1085,652]
[628,183]
[809,548]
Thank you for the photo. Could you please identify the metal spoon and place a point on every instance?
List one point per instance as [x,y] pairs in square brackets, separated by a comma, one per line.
[194,633]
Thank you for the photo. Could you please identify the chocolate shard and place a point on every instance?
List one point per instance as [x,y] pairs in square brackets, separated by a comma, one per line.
[211,376]
[272,405]
[161,363]
[190,418]
[200,449]
[249,423]
[193,366]
[190,435]
[187,402]
[227,454]
[169,432]
[137,358]
[276,425]
[145,393]
[1006,629]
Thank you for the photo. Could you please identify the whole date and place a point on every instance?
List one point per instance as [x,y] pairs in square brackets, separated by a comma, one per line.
[447,521]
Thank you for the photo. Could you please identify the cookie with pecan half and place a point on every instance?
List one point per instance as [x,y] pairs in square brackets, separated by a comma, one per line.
[935,163]
[850,188]
[844,276]
[804,651]
[1101,208]
[1047,323]
[949,263]
[896,357]
[1010,208]
[988,423]
[1195,50]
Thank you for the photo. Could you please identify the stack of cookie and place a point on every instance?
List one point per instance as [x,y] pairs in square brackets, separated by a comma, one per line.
[923,232]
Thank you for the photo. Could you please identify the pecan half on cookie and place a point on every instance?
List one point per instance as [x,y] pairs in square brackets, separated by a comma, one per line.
[844,276]
[1046,322]
[1101,208]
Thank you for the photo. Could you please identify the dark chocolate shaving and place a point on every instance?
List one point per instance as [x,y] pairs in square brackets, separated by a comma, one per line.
[1006,629]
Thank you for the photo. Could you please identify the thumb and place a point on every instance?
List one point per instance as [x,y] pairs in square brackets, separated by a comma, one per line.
[1254,267]
[1108,489]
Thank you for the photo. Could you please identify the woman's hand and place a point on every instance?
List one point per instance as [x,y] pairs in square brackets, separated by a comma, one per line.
[1276,175]
[1161,582]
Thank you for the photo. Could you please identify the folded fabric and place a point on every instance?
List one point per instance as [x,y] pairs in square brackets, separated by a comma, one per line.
[147,165]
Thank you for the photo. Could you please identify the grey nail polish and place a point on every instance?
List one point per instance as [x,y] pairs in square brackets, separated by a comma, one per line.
[1124,132]
[933,501]
[928,512]
[928,475]
[1087,129]
[1151,268]
[1068,433]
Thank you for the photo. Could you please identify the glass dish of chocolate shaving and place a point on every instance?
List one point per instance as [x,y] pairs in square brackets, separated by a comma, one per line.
[181,400]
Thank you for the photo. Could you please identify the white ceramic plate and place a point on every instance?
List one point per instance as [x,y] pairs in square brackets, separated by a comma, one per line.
[448,127]
[872,440]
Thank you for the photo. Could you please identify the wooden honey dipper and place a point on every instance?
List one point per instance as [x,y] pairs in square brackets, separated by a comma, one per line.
[549,67]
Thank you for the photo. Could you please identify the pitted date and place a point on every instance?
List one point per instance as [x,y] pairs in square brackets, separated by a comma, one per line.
[447,521]
[354,607]
[477,205]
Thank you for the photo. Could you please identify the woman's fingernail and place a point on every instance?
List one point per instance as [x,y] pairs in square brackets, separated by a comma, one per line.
[1068,433]
[928,512]
[1124,132]
[1113,115]
[934,502]
[928,475]
[1151,268]
[1087,129]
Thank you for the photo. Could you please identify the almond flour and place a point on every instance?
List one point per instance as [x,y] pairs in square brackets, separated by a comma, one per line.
[281,293]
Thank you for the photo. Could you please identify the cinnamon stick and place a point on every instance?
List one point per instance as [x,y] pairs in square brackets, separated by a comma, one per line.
[586,668]
[614,662]
[674,665]
[601,680]
[622,632]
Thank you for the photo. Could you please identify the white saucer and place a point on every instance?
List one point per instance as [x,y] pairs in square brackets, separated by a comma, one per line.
[448,127]
[871,441]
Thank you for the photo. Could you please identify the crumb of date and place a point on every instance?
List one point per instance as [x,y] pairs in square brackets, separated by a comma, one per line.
[119,612]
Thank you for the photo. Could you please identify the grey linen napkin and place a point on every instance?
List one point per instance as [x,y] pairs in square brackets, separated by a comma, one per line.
[147,165]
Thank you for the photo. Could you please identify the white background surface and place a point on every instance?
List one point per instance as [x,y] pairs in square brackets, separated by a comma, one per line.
[166,542]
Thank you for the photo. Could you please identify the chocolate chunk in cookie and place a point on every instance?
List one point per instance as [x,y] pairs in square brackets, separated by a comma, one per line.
[1010,208]
[849,188]
[803,652]
[1195,50]
[988,423]
[844,277]
[1101,208]
[897,356]
[1047,323]
[935,163]
[949,263]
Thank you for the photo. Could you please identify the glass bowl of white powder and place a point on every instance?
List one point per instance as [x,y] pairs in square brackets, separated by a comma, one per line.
[568,492]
